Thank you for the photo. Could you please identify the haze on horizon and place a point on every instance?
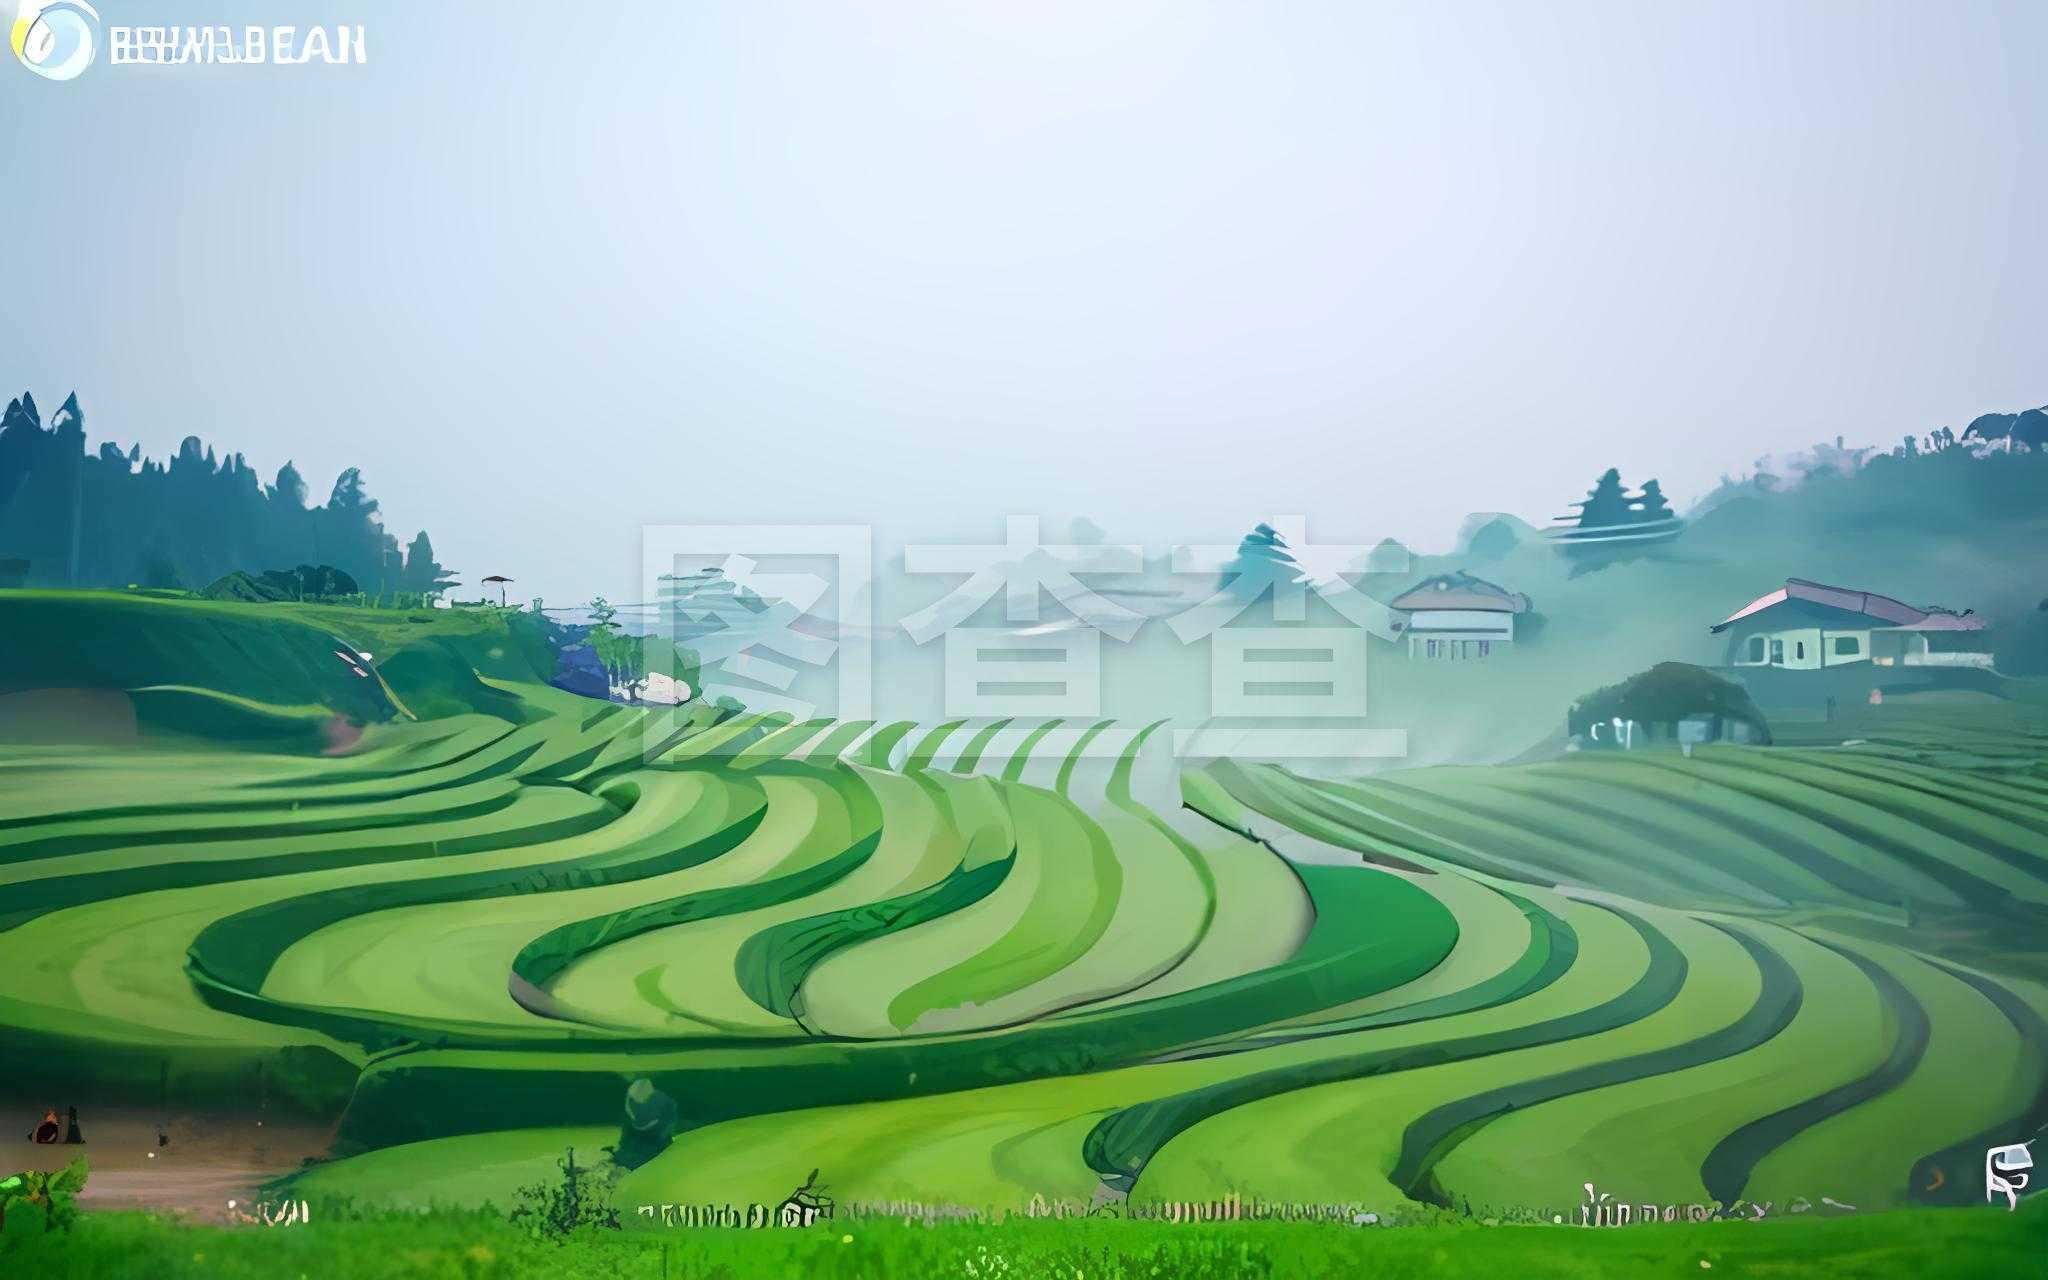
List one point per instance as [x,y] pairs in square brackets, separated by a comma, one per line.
[1176,267]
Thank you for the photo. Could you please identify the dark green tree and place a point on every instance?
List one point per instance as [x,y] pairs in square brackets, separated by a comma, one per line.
[290,488]
[352,539]
[422,573]
[624,656]
[1263,561]
[348,496]
[1651,503]
[1606,502]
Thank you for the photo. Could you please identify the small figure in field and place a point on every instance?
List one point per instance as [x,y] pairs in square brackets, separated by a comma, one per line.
[72,1137]
[163,1139]
[650,1125]
[47,1132]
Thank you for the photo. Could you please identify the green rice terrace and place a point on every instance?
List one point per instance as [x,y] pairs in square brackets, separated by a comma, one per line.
[973,964]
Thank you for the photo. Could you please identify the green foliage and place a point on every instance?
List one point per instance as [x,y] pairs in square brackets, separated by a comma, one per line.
[2029,428]
[470,1246]
[558,1209]
[34,1203]
[244,586]
[307,582]
[1263,561]
[423,575]
[1996,496]
[1605,503]
[628,659]
[110,518]
[313,582]
[93,640]
[620,655]
[1651,504]
[1608,503]
[1665,694]
[624,657]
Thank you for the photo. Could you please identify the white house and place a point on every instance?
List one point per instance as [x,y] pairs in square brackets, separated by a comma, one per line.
[1455,616]
[1807,626]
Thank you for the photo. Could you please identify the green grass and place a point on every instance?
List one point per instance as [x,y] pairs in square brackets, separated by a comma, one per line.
[1054,903]
[249,669]
[112,640]
[711,922]
[1652,1134]
[1261,914]
[1973,1076]
[1958,1245]
[469,1172]
[1805,970]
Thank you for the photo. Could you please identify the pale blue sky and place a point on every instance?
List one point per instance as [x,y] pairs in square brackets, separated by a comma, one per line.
[548,273]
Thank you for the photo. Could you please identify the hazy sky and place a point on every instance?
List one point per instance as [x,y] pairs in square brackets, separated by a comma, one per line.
[548,274]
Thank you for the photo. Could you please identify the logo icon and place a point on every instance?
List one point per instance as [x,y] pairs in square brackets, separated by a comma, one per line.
[2003,1173]
[56,39]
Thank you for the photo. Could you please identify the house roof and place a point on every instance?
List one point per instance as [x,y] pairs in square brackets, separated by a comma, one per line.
[1461,591]
[1881,610]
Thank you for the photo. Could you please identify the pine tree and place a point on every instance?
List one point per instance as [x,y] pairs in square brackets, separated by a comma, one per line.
[614,649]
[422,573]
[1606,503]
[98,516]
[1651,504]
[349,535]
[1263,559]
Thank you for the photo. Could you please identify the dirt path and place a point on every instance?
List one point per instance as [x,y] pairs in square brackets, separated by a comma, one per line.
[211,1158]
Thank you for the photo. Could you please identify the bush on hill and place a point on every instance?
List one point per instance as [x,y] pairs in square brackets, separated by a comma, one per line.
[1667,693]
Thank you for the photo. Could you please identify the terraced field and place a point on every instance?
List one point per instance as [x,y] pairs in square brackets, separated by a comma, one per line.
[971,962]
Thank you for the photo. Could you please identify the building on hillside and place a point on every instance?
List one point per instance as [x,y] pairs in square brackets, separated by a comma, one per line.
[1457,616]
[1810,626]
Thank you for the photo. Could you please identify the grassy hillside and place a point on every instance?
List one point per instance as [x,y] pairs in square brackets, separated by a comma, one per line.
[273,673]
[975,963]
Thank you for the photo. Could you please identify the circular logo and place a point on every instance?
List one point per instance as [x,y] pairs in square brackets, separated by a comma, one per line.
[55,38]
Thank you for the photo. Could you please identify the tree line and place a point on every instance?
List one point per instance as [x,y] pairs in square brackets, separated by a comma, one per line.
[73,518]
[1608,503]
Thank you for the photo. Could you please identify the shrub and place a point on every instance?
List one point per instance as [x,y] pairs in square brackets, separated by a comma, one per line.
[33,1203]
[556,1210]
[1667,693]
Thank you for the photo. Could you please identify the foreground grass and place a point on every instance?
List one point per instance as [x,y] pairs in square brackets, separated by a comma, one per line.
[1948,1243]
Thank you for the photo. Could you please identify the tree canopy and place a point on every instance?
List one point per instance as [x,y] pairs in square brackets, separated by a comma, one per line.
[109,518]
[1665,694]
[1608,503]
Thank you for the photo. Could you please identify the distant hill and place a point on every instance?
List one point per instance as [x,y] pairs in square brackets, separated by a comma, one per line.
[1490,535]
